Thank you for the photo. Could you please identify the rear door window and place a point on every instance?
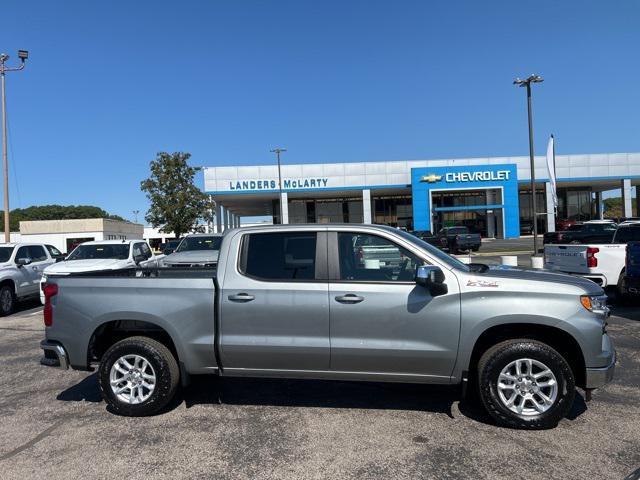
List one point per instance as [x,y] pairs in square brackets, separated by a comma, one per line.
[283,256]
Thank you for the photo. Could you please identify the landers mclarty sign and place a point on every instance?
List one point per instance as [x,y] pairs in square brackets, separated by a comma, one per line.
[287,184]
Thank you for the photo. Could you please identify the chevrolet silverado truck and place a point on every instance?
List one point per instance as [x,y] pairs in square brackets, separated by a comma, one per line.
[454,239]
[603,263]
[296,301]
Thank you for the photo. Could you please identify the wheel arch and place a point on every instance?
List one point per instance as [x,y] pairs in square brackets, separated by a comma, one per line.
[112,331]
[558,339]
[11,283]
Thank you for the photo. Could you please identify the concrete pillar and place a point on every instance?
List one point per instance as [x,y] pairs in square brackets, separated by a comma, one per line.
[599,206]
[366,206]
[225,218]
[237,225]
[218,218]
[551,211]
[491,217]
[229,218]
[284,202]
[625,185]
[637,214]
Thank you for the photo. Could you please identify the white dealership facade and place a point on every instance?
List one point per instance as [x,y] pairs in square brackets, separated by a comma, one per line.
[490,194]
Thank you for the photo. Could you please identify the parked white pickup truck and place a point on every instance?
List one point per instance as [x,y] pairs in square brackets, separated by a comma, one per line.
[103,255]
[603,263]
[21,266]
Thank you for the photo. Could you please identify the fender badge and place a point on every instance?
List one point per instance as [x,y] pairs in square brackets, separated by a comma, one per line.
[482,283]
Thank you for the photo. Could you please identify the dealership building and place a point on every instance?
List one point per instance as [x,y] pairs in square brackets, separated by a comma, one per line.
[491,195]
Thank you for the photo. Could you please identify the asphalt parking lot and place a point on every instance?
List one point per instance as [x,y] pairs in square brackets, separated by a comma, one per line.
[53,424]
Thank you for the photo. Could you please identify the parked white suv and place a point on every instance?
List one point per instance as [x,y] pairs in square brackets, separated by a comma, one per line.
[21,266]
[103,255]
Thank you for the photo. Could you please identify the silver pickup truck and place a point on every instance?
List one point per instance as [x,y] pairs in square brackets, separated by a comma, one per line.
[296,301]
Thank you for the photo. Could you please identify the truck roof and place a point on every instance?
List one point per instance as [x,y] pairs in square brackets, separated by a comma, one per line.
[21,244]
[112,242]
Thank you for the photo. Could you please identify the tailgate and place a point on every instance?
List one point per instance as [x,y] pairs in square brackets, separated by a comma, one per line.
[566,258]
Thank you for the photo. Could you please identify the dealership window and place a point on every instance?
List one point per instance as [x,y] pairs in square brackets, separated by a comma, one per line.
[330,210]
[279,256]
[393,210]
[524,199]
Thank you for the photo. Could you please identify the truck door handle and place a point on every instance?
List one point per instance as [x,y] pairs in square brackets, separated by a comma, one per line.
[349,298]
[241,297]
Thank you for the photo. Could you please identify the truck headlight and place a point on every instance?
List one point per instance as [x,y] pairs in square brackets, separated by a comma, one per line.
[595,304]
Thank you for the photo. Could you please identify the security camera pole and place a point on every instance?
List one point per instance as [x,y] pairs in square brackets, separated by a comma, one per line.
[22,55]
[534,212]
[278,151]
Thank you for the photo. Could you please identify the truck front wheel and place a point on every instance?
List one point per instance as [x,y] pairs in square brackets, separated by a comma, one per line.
[138,376]
[525,384]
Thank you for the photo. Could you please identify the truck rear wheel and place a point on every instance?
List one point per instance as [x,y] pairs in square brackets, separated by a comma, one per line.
[525,384]
[138,376]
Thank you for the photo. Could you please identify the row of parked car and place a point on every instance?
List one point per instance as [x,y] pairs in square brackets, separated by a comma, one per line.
[24,266]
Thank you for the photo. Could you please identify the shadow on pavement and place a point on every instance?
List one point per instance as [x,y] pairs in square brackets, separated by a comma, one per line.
[628,311]
[87,390]
[210,390]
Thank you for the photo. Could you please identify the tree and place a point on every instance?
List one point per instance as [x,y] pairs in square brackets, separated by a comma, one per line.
[613,207]
[176,203]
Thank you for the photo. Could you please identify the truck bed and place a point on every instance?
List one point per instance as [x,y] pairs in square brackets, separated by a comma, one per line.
[181,301]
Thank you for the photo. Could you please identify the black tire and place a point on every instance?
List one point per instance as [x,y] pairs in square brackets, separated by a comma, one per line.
[164,365]
[7,301]
[494,360]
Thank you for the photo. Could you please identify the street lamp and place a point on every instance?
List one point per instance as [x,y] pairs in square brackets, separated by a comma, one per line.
[527,83]
[278,151]
[136,212]
[22,55]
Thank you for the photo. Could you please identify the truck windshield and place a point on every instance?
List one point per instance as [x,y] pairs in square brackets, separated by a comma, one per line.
[199,243]
[5,253]
[90,252]
[435,252]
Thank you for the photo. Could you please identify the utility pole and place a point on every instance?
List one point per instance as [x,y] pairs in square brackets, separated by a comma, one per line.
[534,211]
[22,55]
[136,212]
[278,151]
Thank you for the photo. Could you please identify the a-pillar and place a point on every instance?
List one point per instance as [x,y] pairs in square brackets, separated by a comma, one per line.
[625,185]
[284,207]
[218,218]
[551,210]
[366,206]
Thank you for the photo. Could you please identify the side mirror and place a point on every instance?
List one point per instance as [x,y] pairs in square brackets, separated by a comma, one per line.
[23,261]
[431,277]
[138,258]
[167,251]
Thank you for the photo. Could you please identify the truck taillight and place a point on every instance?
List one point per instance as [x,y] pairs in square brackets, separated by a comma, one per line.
[592,261]
[50,290]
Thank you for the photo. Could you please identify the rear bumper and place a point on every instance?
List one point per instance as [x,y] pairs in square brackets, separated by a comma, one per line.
[54,355]
[599,377]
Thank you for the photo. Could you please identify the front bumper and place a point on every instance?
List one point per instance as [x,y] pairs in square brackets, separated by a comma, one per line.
[599,377]
[54,355]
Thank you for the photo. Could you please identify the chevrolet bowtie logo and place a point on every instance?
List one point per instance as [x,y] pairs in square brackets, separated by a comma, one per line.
[431,178]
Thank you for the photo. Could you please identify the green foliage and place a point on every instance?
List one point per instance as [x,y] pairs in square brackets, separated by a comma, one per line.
[53,212]
[176,203]
[613,207]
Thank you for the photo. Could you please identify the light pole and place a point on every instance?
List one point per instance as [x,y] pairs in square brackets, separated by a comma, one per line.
[527,83]
[136,212]
[22,55]
[278,151]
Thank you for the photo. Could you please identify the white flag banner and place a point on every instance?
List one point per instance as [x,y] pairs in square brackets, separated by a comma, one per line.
[551,167]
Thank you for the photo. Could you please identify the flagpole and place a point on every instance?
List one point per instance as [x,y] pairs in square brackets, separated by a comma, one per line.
[555,175]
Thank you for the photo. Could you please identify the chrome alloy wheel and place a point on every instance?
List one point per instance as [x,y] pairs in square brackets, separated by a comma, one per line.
[527,387]
[132,379]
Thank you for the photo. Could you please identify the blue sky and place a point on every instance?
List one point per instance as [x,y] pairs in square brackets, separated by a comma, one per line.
[109,84]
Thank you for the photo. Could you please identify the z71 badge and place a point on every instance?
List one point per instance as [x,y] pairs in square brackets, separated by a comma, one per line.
[482,283]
